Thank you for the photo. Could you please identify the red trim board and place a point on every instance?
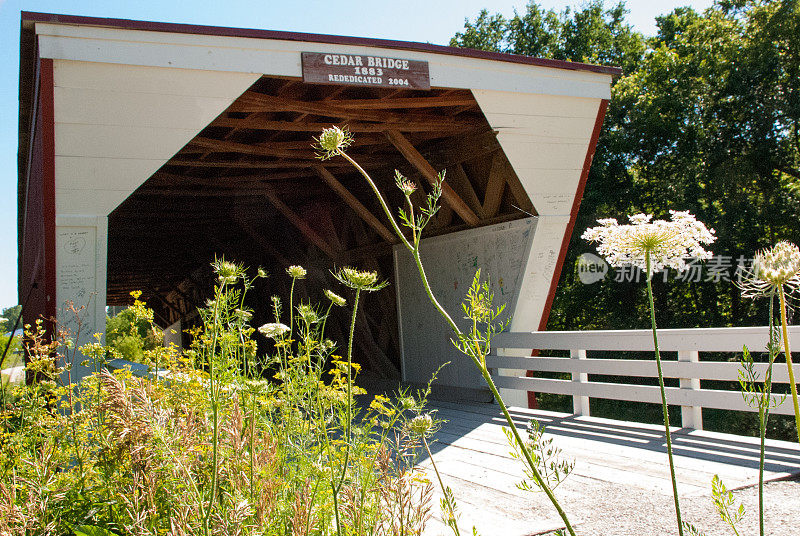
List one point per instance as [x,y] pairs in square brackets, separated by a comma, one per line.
[46,92]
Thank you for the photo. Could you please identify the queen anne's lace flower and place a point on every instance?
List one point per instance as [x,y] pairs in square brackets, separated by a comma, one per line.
[297,272]
[335,298]
[273,331]
[357,279]
[421,425]
[772,268]
[228,272]
[670,243]
[333,141]
[308,313]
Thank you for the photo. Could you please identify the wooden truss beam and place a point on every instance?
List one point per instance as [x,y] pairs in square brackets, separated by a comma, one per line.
[494,189]
[223,146]
[275,164]
[403,124]
[462,148]
[246,148]
[351,200]
[458,178]
[407,102]
[423,166]
[263,242]
[515,186]
[257,102]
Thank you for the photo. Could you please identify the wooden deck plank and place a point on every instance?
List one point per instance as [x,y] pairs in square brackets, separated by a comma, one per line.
[472,455]
[782,458]
[649,464]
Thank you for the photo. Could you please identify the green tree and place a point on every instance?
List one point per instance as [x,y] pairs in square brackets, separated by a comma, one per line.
[131,331]
[704,118]
[8,318]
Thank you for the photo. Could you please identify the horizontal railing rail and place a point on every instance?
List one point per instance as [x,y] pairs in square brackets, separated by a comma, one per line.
[688,343]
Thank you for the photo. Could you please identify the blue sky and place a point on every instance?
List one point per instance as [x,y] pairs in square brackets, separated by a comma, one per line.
[434,21]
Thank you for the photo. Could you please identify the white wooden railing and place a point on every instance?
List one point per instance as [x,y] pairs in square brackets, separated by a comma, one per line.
[688,343]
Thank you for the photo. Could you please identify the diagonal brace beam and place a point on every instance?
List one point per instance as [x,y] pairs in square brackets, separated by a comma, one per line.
[351,200]
[423,166]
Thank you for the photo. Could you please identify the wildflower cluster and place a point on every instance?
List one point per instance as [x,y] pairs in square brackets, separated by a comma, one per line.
[296,272]
[335,298]
[669,243]
[234,441]
[359,280]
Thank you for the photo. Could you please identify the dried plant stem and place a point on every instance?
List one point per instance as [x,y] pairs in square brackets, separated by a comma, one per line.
[788,354]
[349,419]
[664,406]
[763,414]
[214,395]
[252,445]
[450,506]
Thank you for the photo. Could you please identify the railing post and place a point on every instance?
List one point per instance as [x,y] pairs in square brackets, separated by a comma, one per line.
[580,404]
[691,416]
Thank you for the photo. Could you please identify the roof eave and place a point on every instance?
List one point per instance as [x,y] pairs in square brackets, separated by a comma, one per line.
[128,24]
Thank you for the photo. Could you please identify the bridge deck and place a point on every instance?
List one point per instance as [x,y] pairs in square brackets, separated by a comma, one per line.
[621,477]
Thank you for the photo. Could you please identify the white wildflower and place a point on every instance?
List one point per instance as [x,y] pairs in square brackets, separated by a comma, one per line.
[357,279]
[421,425]
[669,243]
[274,330]
[332,141]
[308,313]
[296,272]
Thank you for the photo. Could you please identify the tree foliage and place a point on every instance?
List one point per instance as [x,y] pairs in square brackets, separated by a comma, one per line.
[8,318]
[704,118]
[131,332]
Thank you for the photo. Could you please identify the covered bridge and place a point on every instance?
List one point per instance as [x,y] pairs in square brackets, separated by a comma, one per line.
[145,149]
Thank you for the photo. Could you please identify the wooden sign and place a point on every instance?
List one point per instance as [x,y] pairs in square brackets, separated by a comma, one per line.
[365,70]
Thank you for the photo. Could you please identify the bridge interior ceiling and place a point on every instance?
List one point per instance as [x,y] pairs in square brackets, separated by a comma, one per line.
[251,188]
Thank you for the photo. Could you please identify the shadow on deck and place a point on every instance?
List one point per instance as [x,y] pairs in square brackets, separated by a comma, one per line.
[616,461]
[782,458]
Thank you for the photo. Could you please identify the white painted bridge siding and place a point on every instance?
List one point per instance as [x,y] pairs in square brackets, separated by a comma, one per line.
[117,124]
[127,100]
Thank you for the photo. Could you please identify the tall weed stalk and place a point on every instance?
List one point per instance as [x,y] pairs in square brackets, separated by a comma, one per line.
[475,344]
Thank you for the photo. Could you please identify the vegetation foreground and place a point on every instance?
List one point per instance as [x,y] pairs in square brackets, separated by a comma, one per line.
[208,446]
